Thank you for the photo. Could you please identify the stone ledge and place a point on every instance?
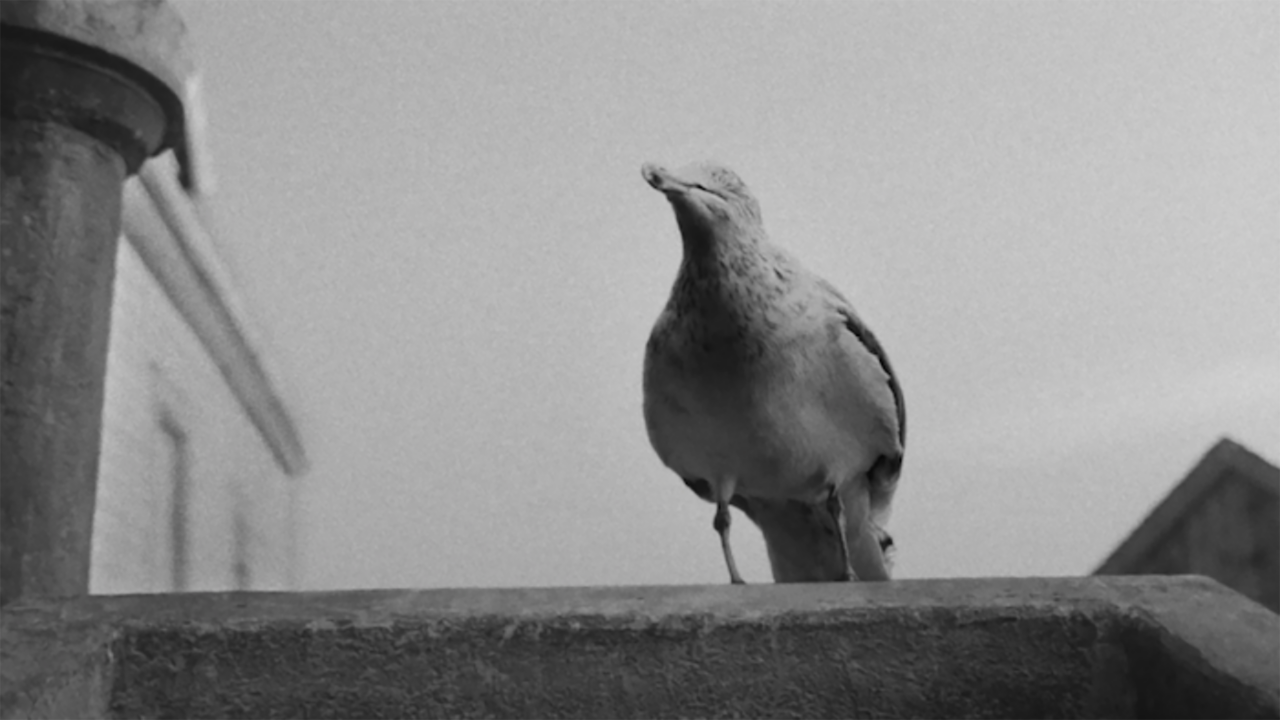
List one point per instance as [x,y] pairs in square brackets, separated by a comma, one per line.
[1069,647]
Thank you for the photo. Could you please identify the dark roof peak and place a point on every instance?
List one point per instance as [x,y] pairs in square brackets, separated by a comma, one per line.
[1226,458]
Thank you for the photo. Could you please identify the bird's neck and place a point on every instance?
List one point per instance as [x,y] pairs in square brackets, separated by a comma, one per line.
[711,251]
[729,280]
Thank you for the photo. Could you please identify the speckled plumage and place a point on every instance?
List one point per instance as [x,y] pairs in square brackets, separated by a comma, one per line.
[764,390]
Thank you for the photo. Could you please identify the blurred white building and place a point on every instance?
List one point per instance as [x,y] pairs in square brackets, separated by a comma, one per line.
[200,457]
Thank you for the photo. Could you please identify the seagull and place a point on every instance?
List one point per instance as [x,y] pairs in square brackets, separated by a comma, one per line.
[764,390]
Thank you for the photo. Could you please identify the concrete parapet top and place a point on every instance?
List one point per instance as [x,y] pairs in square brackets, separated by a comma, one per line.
[1115,646]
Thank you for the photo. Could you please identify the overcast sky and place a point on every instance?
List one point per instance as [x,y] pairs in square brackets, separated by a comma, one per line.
[1062,220]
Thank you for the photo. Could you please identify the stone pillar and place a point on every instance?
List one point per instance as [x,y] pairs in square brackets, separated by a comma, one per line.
[79,115]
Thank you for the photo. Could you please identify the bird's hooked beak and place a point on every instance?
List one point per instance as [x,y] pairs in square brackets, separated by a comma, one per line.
[663,180]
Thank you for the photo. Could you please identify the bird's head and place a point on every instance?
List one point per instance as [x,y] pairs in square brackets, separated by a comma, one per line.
[708,199]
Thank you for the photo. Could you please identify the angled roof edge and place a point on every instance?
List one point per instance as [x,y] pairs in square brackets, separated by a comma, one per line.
[184,262]
[1224,456]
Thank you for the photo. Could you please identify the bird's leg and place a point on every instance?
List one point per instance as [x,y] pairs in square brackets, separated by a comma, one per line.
[836,509]
[723,494]
[721,525]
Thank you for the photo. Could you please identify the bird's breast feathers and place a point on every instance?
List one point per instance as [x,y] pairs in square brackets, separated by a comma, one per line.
[811,406]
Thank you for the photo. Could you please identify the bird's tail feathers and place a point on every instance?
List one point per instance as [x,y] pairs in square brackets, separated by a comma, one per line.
[865,537]
[801,539]
[888,550]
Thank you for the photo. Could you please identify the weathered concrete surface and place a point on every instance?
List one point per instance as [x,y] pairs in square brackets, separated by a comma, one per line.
[57,247]
[76,120]
[1093,647]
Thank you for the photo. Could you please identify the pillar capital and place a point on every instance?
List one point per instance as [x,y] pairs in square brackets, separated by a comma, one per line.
[114,70]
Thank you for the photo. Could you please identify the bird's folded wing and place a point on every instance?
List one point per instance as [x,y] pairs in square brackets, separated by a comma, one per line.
[891,413]
[863,340]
